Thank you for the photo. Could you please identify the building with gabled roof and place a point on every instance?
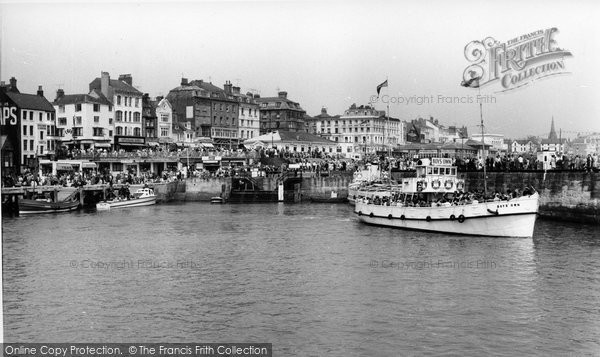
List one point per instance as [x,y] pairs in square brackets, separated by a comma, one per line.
[27,128]
[84,121]
[127,105]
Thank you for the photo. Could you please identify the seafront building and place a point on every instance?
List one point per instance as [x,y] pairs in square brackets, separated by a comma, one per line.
[249,116]
[27,129]
[84,121]
[362,130]
[280,113]
[212,112]
[127,105]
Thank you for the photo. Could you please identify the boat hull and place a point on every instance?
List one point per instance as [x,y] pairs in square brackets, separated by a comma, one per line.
[137,202]
[37,207]
[514,218]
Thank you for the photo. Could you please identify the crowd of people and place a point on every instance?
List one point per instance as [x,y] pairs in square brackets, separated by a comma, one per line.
[445,200]
[271,162]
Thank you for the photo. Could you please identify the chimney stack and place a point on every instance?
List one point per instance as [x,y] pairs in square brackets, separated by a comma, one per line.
[104,84]
[227,87]
[13,85]
[60,93]
[126,78]
[40,91]
[184,81]
[323,110]
[236,90]
[282,95]
[256,96]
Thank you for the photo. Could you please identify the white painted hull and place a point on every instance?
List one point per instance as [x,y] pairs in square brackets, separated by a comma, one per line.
[515,218]
[136,202]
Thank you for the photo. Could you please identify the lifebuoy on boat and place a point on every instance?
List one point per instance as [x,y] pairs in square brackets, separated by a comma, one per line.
[452,217]
[461,218]
[448,184]
[428,219]
[460,186]
[390,216]
[371,214]
[436,184]
[402,217]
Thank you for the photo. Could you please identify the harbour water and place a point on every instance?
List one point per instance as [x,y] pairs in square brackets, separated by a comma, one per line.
[308,278]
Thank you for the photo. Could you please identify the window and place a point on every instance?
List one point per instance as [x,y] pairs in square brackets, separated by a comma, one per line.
[119,130]
[31,130]
[110,121]
[137,102]
[96,119]
[164,118]
[164,131]
[60,132]
[41,135]
[110,133]
[96,107]
[137,131]
[98,131]
[24,129]
[24,144]
[61,108]
[31,145]
[24,114]
[77,132]
[189,112]
[110,108]
[118,100]
[136,117]
[278,105]
[119,116]
[40,116]
[78,107]
[77,121]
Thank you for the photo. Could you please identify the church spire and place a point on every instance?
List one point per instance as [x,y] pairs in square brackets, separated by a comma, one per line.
[552,137]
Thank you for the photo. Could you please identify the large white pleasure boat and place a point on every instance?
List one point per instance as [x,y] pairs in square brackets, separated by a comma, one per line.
[435,201]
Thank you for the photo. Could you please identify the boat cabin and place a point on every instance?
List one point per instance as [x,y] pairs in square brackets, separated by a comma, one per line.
[435,175]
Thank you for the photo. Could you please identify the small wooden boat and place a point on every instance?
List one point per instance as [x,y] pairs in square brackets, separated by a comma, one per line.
[141,197]
[29,206]
[217,199]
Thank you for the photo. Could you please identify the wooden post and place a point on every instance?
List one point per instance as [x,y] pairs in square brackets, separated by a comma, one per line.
[81,196]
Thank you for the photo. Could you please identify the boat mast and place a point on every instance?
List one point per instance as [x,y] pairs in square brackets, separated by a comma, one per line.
[483,156]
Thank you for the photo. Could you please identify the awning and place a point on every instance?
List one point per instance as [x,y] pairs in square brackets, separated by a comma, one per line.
[208,145]
[153,144]
[102,145]
[64,167]
[89,165]
[131,144]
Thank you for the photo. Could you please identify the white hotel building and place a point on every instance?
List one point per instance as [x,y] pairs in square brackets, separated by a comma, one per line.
[362,130]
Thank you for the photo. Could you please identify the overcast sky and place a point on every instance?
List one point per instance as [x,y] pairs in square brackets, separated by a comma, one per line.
[329,54]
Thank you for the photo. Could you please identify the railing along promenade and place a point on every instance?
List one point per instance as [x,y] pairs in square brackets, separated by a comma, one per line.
[161,156]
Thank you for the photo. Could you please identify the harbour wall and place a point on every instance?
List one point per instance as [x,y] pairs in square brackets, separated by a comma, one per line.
[565,195]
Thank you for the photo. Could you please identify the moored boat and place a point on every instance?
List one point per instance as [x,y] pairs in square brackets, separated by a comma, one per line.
[141,197]
[47,205]
[435,201]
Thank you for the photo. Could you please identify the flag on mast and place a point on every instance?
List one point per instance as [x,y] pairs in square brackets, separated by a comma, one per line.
[384,84]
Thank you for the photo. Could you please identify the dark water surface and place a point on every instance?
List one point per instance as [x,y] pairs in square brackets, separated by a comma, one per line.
[308,278]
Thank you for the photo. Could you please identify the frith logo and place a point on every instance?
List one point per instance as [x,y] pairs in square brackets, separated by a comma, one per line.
[8,116]
[515,63]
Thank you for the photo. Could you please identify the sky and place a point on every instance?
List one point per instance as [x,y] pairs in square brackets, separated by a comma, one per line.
[324,54]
